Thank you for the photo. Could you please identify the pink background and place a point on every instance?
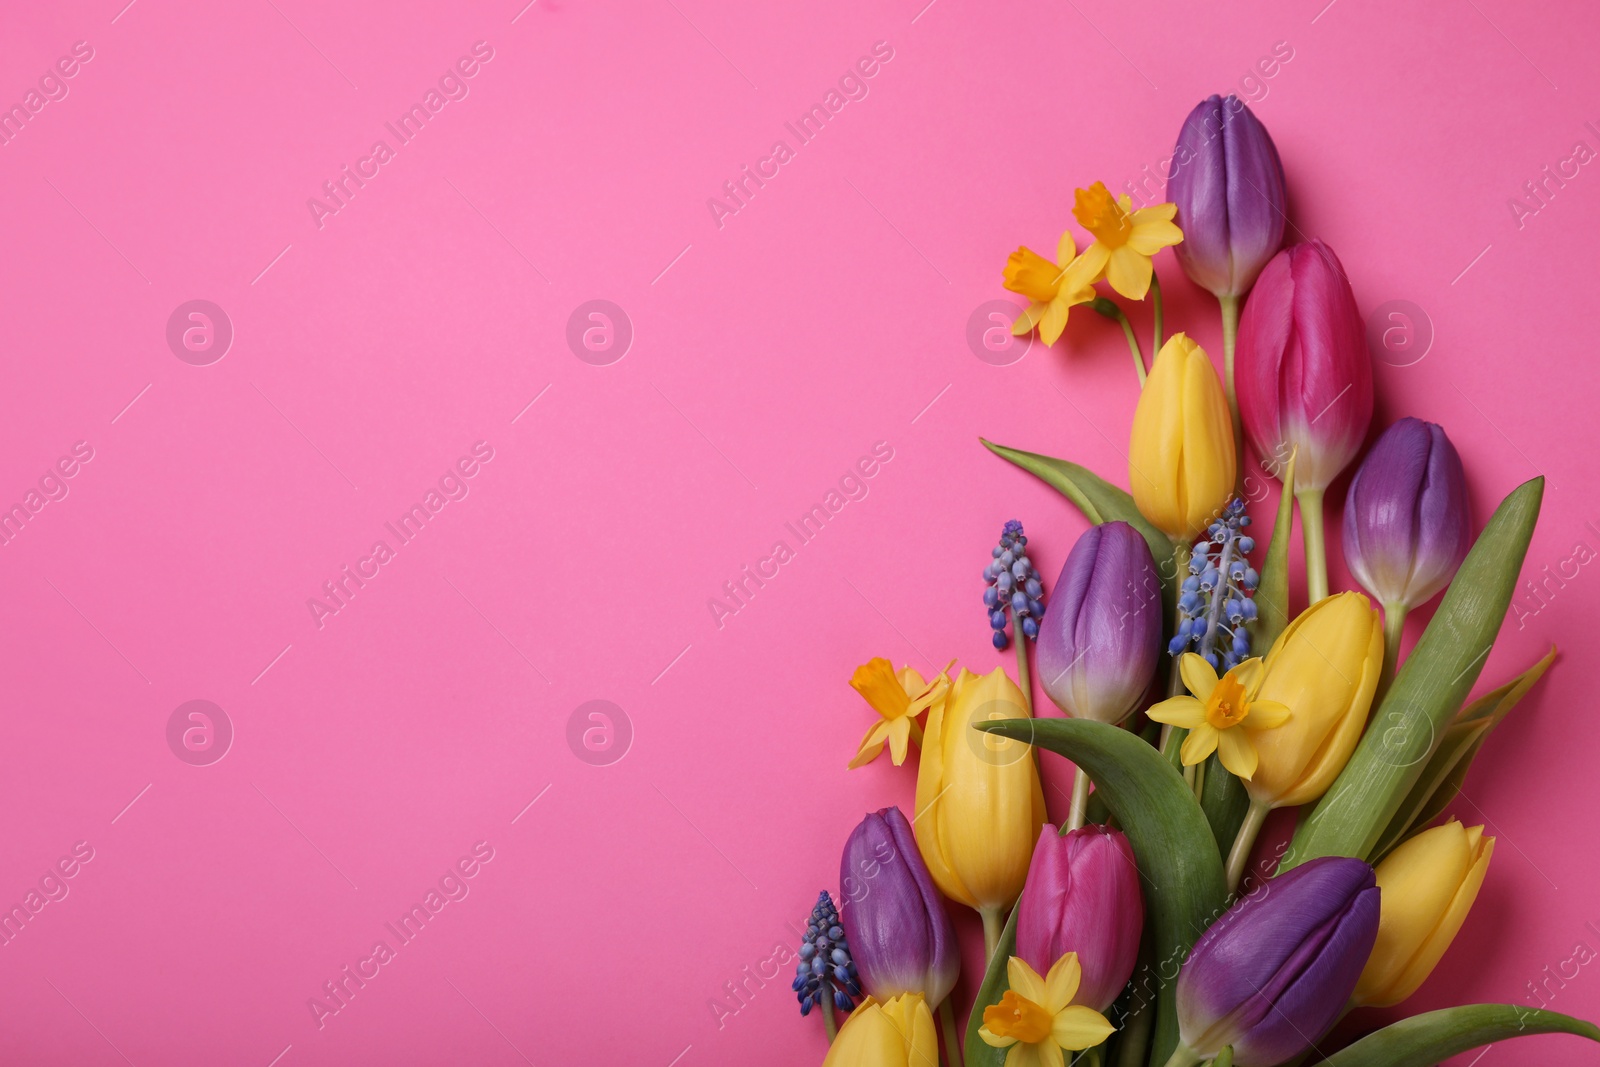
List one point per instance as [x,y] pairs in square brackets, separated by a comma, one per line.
[769,353]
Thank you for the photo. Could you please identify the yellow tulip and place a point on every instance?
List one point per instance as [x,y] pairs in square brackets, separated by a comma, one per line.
[1428,884]
[1323,668]
[896,1033]
[1181,461]
[979,803]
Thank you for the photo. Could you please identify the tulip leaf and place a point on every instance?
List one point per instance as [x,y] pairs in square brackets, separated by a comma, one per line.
[1426,694]
[979,1053]
[1179,867]
[1224,801]
[1426,1039]
[1447,767]
[1272,597]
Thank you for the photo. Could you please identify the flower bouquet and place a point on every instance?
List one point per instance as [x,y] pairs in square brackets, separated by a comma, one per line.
[1131,935]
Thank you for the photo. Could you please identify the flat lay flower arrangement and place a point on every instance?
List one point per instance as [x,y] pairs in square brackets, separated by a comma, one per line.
[1193,700]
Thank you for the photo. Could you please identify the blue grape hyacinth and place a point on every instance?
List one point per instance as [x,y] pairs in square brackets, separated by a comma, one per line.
[825,968]
[1216,605]
[1013,585]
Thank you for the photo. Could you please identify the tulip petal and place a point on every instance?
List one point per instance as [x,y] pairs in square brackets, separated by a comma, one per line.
[1266,714]
[1078,1027]
[1061,984]
[1201,742]
[1186,712]
[1129,272]
[1198,676]
[1238,754]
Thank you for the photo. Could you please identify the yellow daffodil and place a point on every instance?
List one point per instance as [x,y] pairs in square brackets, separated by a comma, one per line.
[895,1033]
[1036,1019]
[898,699]
[1124,239]
[1053,287]
[1222,714]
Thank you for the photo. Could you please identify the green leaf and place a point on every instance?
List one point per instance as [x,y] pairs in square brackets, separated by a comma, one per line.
[1224,801]
[1272,597]
[979,1053]
[1427,693]
[1425,1039]
[1179,868]
[1447,767]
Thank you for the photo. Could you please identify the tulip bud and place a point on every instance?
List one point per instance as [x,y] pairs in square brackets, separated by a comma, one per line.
[1082,896]
[1181,461]
[1228,185]
[895,923]
[1406,528]
[895,1033]
[1101,635]
[1304,377]
[979,803]
[1428,884]
[1324,668]
[1273,974]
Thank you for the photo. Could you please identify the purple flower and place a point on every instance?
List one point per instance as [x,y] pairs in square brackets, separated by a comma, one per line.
[1082,896]
[1406,527]
[899,934]
[1228,185]
[1101,635]
[1274,973]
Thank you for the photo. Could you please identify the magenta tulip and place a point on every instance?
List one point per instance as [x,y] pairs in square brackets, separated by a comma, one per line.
[1082,895]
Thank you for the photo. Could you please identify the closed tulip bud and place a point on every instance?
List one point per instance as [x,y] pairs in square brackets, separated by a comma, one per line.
[1274,973]
[1406,527]
[1228,185]
[1082,896]
[894,921]
[1429,884]
[894,1033]
[1324,668]
[1101,635]
[1181,462]
[1304,377]
[979,804]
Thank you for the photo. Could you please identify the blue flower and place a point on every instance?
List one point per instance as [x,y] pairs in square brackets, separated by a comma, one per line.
[1012,584]
[1215,607]
[825,967]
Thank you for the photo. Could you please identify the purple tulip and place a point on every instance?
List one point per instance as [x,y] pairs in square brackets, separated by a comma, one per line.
[1082,895]
[1275,972]
[1101,634]
[895,922]
[1228,185]
[1406,528]
[1304,377]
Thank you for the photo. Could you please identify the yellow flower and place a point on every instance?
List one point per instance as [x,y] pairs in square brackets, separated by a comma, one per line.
[1181,461]
[1053,287]
[1036,1018]
[1223,715]
[1323,668]
[1428,884]
[979,803]
[899,699]
[896,1033]
[1124,240]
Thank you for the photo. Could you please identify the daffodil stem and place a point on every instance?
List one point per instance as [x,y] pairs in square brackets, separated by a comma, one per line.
[1230,341]
[952,1044]
[1310,501]
[1155,311]
[991,931]
[1080,801]
[1111,310]
[1244,841]
[1394,624]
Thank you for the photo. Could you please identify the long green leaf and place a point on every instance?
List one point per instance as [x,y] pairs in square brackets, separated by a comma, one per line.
[1426,694]
[979,1053]
[1182,876]
[1272,597]
[1224,801]
[1425,1039]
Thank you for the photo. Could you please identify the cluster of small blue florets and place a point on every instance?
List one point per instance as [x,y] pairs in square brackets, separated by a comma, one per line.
[825,967]
[1215,607]
[1013,583]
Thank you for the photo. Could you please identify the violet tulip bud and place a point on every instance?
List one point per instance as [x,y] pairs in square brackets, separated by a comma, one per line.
[1228,185]
[1273,975]
[1406,528]
[1082,896]
[1304,377]
[1101,635]
[894,920]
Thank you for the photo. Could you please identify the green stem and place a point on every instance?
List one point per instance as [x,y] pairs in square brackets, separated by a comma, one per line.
[1394,624]
[991,931]
[1182,1057]
[1310,501]
[1080,801]
[1172,736]
[1244,841]
[1230,341]
[1199,779]
[1155,306]
[952,1044]
[1024,679]
[829,1023]
[1111,310]
[1135,1040]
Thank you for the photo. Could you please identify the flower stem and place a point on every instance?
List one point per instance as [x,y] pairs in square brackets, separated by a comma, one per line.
[1394,623]
[952,1045]
[1080,801]
[1135,1038]
[991,931]
[1155,307]
[1024,679]
[1244,841]
[1310,501]
[1111,310]
[1171,735]
[829,1023]
[1230,341]
[1183,1057]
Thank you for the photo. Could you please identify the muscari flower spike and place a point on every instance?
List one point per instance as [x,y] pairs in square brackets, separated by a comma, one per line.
[1013,583]
[1216,606]
[825,966]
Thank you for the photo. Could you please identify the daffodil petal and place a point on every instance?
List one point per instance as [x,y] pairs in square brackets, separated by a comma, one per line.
[871,745]
[1186,712]
[1092,264]
[1061,984]
[1025,980]
[899,738]
[1238,754]
[1149,236]
[1198,677]
[1023,1056]
[1066,249]
[876,682]
[995,1040]
[1053,322]
[1028,319]
[1201,742]
[1265,714]
[1078,1027]
[1249,674]
[1049,1054]
[1129,272]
